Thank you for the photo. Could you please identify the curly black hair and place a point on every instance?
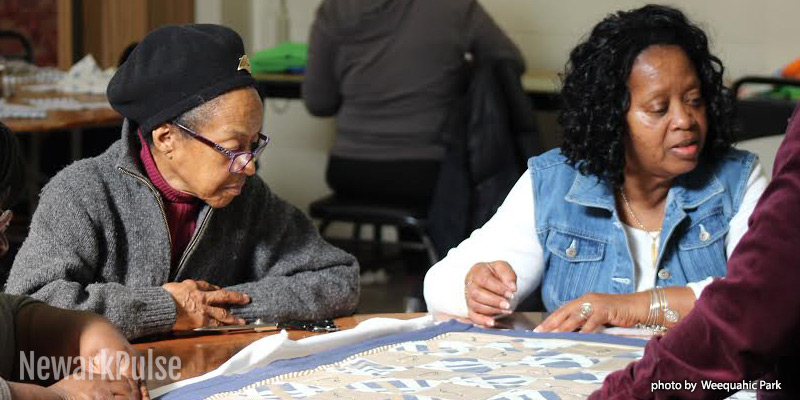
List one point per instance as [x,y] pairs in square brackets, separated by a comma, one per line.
[595,91]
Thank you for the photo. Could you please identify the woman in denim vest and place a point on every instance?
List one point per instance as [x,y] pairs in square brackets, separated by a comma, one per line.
[640,207]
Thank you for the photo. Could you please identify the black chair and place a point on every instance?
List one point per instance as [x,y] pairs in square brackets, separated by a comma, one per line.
[23,41]
[410,223]
[762,116]
[359,213]
[762,120]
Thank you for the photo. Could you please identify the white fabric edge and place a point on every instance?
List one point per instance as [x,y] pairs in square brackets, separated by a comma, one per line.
[280,347]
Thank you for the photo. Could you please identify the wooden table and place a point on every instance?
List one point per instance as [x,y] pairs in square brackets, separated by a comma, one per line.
[60,120]
[201,354]
[72,122]
[541,85]
[282,86]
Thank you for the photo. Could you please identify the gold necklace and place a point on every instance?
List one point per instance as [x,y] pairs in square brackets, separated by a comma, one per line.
[653,235]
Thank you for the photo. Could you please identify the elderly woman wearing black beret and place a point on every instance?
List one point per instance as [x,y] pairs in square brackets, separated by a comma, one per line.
[170,228]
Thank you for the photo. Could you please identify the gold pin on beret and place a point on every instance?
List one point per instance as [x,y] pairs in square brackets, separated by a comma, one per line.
[244,63]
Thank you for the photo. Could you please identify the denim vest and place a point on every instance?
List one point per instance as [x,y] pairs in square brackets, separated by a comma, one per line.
[584,244]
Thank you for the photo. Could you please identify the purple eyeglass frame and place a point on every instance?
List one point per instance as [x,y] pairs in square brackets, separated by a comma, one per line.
[264,139]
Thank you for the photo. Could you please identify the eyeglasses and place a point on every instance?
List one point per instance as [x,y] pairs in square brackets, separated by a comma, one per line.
[239,159]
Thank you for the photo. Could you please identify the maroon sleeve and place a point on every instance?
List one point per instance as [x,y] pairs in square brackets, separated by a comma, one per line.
[743,324]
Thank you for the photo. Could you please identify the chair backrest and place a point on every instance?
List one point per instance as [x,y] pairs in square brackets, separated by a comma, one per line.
[763,116]
[26,53]
[762,120]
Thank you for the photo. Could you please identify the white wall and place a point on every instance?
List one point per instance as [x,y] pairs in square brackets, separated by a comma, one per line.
[295,167]
[294,162]
[208,11]
[751,37]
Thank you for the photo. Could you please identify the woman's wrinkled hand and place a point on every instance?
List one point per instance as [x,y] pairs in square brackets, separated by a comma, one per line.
[199,304]
[623,310]
[96,386]
[489,286]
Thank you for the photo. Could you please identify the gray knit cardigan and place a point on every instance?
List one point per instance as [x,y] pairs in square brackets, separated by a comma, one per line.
[99,241]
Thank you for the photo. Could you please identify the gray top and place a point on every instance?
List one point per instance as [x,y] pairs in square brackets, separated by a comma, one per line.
[9,307]
[99,242]
[390,70]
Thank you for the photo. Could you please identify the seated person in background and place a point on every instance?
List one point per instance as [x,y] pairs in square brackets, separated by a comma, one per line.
[170,229]
[745,326]
[390,71]
[27,325]
[644,202]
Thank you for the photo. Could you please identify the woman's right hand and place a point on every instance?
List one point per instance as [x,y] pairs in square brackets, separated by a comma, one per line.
[96,386]
[488,288]
[199,304]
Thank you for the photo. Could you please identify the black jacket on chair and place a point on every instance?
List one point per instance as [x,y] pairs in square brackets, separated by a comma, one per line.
[490,135]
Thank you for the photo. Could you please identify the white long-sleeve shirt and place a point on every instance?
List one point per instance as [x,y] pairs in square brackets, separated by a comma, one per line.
[510,235]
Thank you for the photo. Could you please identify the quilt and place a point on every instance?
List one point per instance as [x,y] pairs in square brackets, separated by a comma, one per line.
[448,361]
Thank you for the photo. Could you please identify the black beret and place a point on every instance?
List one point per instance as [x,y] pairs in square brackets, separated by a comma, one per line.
[176,68]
